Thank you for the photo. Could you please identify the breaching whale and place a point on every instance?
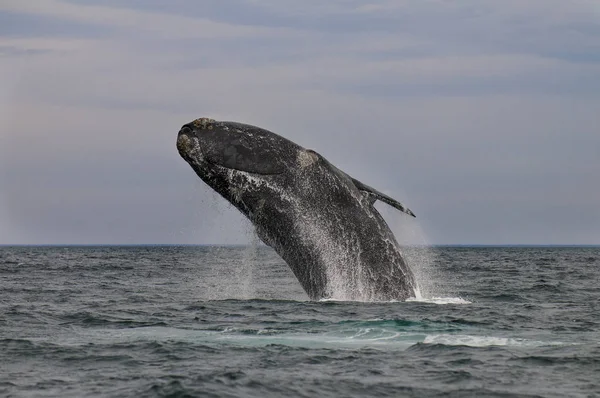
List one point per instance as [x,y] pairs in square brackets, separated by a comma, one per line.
[320,220]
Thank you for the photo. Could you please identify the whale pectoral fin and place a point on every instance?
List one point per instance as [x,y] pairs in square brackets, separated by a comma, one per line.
[370,197]
[374,194]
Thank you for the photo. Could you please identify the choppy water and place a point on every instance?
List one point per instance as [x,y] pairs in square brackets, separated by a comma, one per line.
[227,321]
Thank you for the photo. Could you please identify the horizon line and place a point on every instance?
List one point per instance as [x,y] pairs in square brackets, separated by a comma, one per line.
[262,244]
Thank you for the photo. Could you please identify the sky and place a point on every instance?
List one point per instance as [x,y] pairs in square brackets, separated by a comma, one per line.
[482,116]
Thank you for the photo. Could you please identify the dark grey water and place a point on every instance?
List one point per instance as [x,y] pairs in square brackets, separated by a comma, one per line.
[215,321]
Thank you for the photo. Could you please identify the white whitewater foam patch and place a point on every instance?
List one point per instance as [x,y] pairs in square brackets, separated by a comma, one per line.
[436,300]
[350,339]
[429,300]
[439,300]
[485,341]
[342,300]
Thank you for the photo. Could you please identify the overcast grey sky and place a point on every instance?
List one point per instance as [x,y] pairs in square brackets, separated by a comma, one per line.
[482,116]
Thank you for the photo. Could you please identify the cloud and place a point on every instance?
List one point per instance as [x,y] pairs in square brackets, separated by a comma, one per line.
[139,20]
[481,116]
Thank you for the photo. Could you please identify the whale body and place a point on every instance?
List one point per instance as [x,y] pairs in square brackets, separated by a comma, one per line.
[321,221]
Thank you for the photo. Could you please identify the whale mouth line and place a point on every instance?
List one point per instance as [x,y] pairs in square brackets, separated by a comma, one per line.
[215,164]
[192,149]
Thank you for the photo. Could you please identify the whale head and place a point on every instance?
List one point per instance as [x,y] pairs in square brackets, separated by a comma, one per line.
[230,157]
[217,145]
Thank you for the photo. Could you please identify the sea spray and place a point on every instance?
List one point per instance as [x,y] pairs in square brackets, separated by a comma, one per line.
[420,256]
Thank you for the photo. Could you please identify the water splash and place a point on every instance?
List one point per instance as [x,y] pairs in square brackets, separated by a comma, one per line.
[418,253]
[346,277]
[234,277]
[231,274]
[338,249]
[247,264]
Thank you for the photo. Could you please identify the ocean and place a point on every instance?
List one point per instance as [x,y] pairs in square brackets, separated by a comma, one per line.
[210,321]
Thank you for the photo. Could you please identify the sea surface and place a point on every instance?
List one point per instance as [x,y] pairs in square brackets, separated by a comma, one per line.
[186,321]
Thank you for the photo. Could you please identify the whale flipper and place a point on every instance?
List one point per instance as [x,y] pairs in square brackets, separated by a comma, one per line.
[376,195]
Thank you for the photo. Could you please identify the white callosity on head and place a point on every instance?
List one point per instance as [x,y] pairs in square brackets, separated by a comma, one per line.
[203,123]
[191,148]
[187,147]
[306,158]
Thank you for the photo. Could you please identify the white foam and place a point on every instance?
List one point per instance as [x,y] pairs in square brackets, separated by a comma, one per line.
[484,341]
[430,300]
[439,300]
[346,338]
[343,300]
[351,338]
